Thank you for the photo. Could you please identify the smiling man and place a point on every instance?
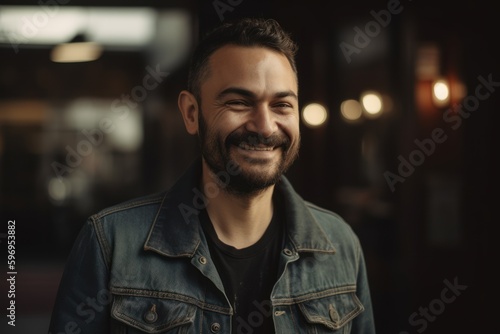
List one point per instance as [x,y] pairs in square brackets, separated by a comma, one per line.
[231,247]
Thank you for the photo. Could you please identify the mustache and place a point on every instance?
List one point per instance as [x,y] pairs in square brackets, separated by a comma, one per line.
[256,139]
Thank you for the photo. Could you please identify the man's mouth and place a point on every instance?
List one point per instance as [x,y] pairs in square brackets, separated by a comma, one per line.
[255,148]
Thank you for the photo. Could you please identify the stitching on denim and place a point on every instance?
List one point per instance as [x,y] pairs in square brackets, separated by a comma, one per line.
[157,329]
[345,319]
[129,205]
[154,224]
[310,296]
[169,295]
[102,241]
[130,321]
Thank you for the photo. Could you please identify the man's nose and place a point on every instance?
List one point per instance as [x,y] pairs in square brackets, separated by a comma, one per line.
[262,121]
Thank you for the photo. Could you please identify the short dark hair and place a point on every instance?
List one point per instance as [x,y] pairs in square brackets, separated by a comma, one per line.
[243,32]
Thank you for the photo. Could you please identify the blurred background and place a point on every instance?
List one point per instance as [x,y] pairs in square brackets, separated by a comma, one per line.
[398,100]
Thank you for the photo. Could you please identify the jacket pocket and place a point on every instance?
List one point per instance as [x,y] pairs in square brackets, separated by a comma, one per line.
[332,314]
[152,315]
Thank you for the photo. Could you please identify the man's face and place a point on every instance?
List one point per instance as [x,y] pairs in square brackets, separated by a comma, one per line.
[249,116]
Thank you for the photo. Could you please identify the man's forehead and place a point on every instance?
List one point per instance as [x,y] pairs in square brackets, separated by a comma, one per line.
[246,66]
[237,54]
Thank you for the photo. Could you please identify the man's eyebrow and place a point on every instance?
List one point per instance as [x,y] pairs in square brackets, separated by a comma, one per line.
[247,93]
[287,93]
[236,90]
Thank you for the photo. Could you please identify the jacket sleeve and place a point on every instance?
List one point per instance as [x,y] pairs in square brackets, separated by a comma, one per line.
[363,323]
[83,300]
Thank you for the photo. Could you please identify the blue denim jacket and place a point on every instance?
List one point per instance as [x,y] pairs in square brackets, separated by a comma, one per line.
[144,267]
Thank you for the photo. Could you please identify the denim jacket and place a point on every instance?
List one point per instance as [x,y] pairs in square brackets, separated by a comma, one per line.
[144,267]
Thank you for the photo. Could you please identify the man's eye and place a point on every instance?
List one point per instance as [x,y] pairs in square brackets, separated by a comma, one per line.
[283,105]
[237,104]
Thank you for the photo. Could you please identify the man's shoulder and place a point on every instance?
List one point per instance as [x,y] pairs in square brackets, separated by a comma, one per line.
[331,222]
[322,212]
[150,202]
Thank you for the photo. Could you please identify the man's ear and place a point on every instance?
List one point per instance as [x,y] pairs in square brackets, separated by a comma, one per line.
[188,105]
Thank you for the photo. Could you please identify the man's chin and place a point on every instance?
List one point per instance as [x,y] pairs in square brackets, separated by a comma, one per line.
[246,188]
[253,180]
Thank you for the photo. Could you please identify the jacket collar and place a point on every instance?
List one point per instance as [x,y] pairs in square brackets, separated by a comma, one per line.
[176,230]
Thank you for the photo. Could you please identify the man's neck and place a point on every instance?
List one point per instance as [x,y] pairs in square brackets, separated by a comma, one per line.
[239,221]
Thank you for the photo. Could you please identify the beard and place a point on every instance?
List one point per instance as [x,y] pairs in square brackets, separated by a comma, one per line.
[216,153]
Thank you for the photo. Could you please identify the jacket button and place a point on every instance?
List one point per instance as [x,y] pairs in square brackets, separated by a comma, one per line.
[287,252]
[333,314]
[151,315]
[215,327]
[203,260]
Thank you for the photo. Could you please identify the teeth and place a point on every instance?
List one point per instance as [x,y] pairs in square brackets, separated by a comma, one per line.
[255,148]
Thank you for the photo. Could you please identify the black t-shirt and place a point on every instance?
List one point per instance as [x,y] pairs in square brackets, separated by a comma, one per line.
[248,275]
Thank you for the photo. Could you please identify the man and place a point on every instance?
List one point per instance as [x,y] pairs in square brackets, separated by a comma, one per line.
[231,248]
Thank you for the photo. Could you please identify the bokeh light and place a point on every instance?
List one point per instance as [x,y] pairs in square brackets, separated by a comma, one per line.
[441,93]
[314,115]
[351,110]
[372,103]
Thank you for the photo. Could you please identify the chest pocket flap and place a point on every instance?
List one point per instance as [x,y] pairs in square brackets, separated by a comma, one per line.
[334,311]
[152,315]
